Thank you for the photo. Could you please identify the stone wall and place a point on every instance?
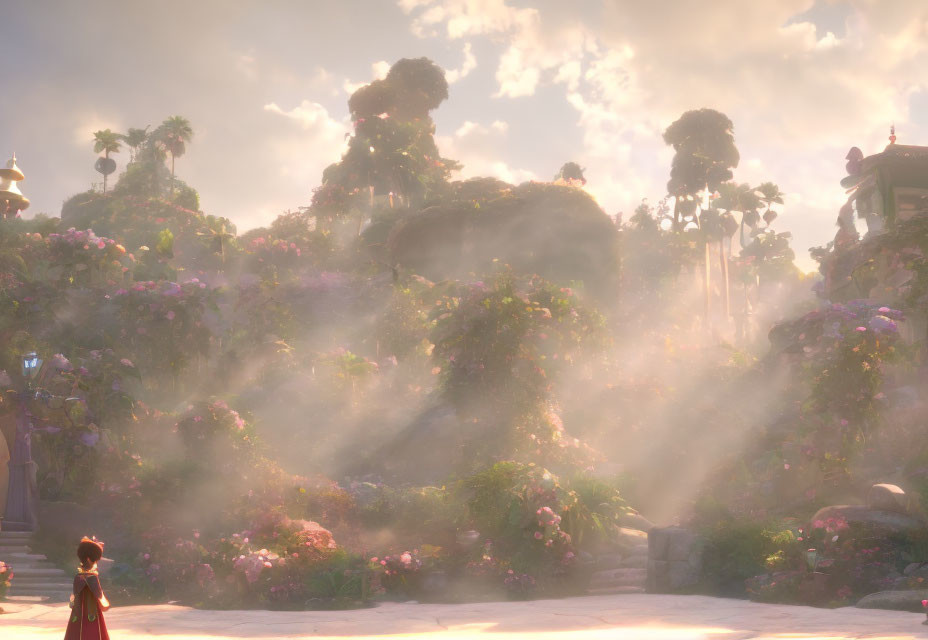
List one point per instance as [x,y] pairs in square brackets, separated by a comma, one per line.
[674,559]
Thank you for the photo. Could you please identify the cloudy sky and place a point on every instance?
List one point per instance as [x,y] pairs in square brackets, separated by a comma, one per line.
[534,84]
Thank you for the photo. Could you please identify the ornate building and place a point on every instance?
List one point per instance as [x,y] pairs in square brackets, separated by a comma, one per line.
[12,200]
[888,193]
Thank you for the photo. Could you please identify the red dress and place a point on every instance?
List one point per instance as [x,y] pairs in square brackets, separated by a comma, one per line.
[87,604]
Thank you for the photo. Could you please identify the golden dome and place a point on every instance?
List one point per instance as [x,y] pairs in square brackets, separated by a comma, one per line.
[10,193]
[12,172]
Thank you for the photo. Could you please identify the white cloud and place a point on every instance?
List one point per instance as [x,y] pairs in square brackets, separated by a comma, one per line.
[309,115]
[478,148]
[469,64]
[799,95]
[379,71]
[84,127]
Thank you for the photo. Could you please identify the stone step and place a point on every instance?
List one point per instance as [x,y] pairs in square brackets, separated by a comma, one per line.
[23,564]
[19,578]
[39,586]
[15,542]
[49,573]
[635,562]
[5,551]
[608,561]
[15,534]
[26,599]
[20,556]
[619,577]
[53,594]
[608,591]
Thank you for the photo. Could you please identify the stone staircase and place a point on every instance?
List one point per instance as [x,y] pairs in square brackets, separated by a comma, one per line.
[626,569]
[35,579]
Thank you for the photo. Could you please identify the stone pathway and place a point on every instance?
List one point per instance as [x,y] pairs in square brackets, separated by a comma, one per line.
[35,579]
[616,617]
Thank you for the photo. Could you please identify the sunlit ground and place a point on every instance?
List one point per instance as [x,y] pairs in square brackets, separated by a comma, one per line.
[632,617]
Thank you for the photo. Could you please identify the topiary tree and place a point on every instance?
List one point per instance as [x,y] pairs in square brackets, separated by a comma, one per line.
[555,231]
[571,173]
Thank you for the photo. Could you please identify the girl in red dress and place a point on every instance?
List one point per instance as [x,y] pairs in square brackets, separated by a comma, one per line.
[87,600]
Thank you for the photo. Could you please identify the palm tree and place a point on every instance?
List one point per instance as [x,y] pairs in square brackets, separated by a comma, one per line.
[106,141]
[218,235]
[769,194]
[175,132]
[135,138]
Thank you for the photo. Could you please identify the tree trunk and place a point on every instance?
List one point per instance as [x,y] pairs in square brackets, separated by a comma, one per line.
[172,175]
[105,155]
[723,260]
[707,283]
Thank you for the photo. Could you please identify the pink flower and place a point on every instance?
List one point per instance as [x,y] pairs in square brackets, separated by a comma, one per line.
[860,329]
[169,315]
[126,362]
[538,535]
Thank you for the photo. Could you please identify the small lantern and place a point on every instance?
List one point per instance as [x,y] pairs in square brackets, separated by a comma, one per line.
[31,365]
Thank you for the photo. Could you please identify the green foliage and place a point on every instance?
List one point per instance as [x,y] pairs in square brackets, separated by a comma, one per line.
[499,349]
[571,173]
[106,142]
[705,151]
[736,550]
[555,231]
[6,579]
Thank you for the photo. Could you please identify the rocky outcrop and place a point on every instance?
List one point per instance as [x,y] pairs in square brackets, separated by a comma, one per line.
[877,521]
[887,497]
[908,600]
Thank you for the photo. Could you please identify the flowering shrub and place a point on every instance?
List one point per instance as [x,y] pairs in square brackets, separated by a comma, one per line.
[519,585]
[398,572]
[162,323]
[498,350]
[83,257]
[6,579]
[216,435]
[829,561]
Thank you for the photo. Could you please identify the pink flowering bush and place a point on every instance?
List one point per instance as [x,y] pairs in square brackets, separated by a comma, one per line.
[399,573]
[213,430]
[162,324]
[6,579]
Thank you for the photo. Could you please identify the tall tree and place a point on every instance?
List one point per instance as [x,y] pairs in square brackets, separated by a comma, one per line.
[135,138]
[175,133]
[106,142]
[705,154]
[392,151]
[419,86]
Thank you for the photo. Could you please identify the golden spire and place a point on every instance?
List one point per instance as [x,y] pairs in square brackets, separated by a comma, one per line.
[12,200]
